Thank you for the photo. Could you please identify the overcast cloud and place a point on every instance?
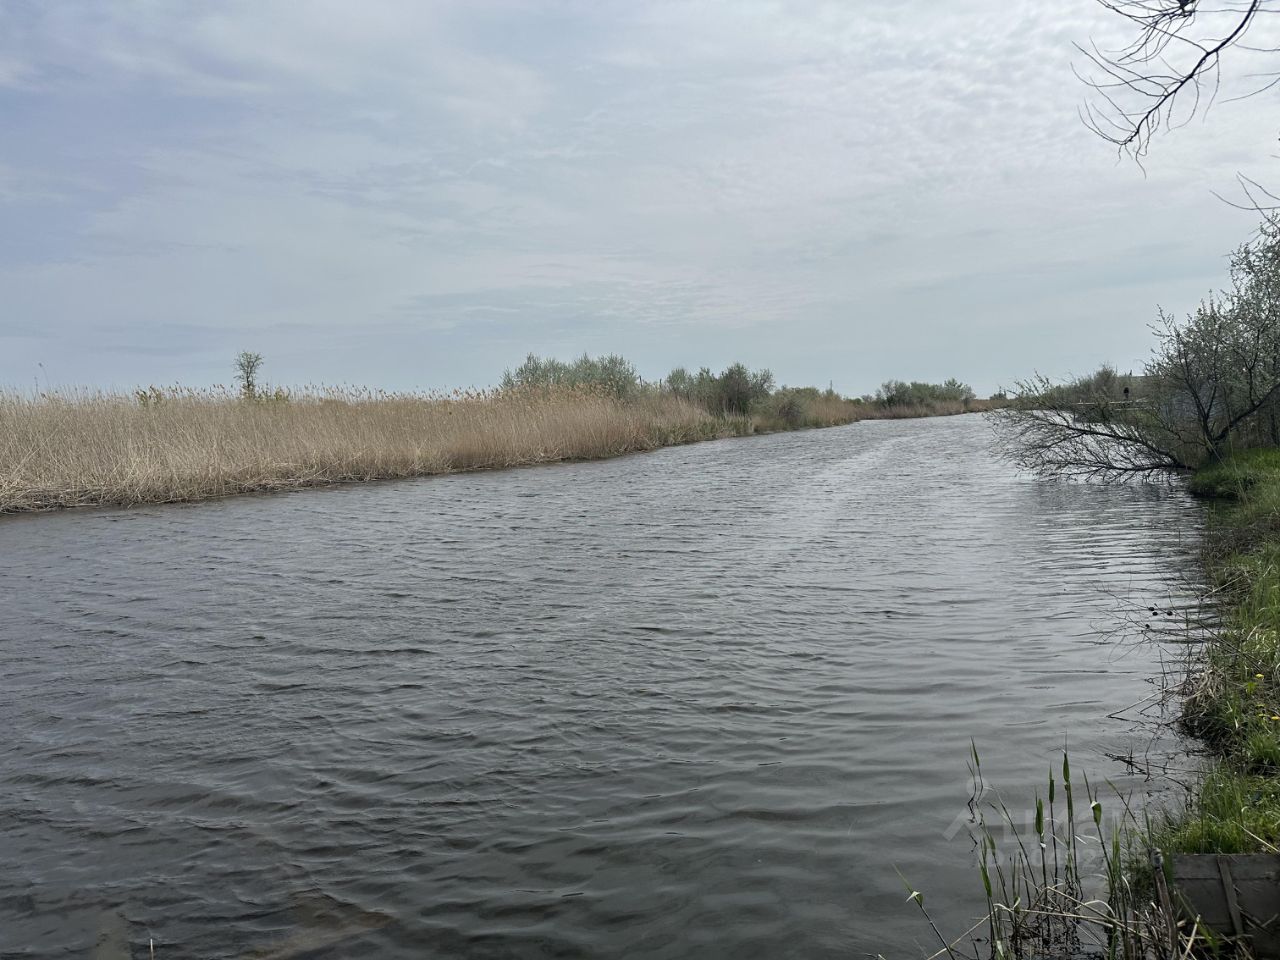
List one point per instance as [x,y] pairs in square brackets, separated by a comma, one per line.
[412,194]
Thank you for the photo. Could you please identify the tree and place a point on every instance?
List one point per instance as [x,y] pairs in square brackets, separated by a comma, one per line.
[742,389]
[1212,385]
[611,374]
[680,382]
[899,393]
[1173,59]
[737,391]
[247,366]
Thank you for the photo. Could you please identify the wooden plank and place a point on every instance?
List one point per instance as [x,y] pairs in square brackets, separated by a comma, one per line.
[1234,895]
[1229,890]
[1244,866]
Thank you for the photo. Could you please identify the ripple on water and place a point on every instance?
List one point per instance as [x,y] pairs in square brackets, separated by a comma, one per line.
[700,702]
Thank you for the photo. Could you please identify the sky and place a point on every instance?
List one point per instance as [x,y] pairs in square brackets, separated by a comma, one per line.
[414,195]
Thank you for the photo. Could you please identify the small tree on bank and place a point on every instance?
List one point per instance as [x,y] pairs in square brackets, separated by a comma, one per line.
[1212,385]
[737,391]
[742,390]
[247,367]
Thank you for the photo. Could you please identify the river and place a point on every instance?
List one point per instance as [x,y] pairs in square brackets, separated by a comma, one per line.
[704,702]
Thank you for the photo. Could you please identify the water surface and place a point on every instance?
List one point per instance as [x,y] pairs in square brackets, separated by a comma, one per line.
[700,702]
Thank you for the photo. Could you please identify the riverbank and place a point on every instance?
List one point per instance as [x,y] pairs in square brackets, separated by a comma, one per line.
[98,449]
[93,448]
[1233,702]
[1230,706]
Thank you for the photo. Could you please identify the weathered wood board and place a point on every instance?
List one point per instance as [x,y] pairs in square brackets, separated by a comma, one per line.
[1234,895]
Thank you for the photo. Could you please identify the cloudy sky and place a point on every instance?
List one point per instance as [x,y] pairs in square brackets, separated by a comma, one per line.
[416,194]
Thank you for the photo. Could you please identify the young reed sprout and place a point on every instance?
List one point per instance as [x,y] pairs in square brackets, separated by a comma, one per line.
[1084,903]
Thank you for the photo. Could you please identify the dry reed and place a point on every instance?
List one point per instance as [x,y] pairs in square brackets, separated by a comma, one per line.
[77,448]
[69,448]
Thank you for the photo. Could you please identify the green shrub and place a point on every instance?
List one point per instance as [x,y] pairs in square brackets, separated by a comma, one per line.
[737,392]
[790,406]
[899,393]
[610,373]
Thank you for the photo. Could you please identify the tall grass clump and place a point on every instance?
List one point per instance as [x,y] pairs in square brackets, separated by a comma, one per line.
[1077,877]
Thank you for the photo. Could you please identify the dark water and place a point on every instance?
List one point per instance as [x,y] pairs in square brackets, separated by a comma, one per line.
[695,703]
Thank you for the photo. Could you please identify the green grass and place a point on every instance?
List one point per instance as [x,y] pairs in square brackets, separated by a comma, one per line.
[1230,812]
[1234,477]
[1234,704]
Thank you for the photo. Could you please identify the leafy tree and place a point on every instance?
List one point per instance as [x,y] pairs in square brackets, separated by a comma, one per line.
[247,367]
[611,373]
[680,382]
[740,389]
[1212,385]
[899,393]
[736,391]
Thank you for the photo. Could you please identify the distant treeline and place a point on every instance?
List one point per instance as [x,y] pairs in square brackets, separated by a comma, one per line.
[736,393]
[897,393]
[740,392]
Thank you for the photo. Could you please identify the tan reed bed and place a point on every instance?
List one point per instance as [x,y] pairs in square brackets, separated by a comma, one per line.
[70,448]
[78,448]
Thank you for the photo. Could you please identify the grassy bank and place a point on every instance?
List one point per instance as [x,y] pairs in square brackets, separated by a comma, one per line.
[1233,702]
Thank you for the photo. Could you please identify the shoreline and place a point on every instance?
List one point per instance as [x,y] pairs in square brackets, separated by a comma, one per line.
[1231,703]
[329,482]
[1227,711]
[498,433]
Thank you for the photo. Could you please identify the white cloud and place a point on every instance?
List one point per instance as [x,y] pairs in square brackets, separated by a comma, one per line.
[875,175]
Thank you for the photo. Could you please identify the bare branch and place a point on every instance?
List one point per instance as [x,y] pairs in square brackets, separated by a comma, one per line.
[1169,59]
[1212,385]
